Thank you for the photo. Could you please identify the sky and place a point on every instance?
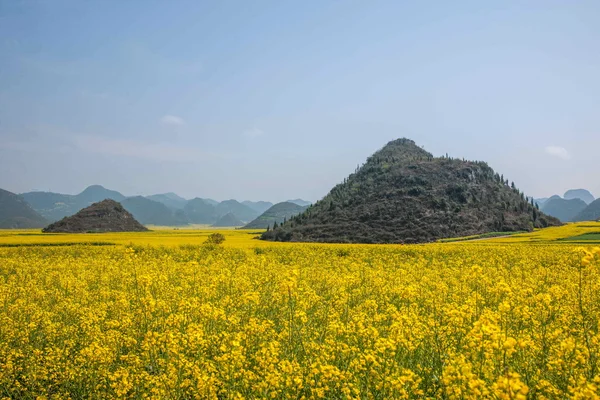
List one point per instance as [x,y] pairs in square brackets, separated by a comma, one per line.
[272,100]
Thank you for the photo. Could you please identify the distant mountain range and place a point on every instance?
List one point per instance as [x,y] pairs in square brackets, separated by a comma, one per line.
[573,206]
[165,209]
[276,214]
[16,213]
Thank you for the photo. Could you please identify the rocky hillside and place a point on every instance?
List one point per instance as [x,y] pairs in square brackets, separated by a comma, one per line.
[276,214]
[403,194]
[15,213]
[104,216]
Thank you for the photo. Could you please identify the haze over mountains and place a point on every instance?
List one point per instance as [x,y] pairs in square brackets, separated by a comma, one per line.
[165,209]
[574,205]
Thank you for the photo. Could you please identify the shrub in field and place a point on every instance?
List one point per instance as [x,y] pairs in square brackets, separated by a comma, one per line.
[215,238]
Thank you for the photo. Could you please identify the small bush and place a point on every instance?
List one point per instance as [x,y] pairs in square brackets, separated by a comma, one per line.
[215,238]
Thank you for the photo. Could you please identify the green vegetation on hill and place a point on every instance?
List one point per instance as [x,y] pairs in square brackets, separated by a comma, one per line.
[276,214]
[300,202]
[590,213]
[403,194]
[150,212]
[16,213]
[564,210]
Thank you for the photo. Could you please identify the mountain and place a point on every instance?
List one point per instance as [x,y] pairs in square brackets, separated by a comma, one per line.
[96,193]
[15,213]
[277,213]
[581,194]
[564,210]
[590,213]
[199,211]
[540,202]
[149,212]
[258,206]
[240,210]
[104,216]
[54,206]
[300,202]
[211,202]
[228,220]
[402,194]
[170,200]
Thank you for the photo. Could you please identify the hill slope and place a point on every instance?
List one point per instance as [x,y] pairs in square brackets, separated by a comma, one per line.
[590,213]
[15,213]
[227,220]
[277,213]
[149,212]
[581,194]
[564,210]
[258,206]
[241,211]
[104,216]
[200,212]
[403,194]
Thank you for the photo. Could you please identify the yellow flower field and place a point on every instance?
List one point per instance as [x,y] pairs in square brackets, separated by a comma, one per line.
[158,315]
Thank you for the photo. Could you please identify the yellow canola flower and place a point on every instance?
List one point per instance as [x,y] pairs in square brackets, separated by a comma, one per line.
[249,319]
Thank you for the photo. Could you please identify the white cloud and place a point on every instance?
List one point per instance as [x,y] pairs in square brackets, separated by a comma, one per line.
[172,120]
[558,151]
[253,133]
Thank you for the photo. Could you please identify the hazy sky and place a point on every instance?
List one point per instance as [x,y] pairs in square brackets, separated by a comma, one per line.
[282,99]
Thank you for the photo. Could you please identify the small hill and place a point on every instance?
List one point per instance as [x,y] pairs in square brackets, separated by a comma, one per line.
[278,213]
[581,194]
[149,212]
[15,213]
[170,200]
[241,211]
[200,211]
[228,220]
[258,206]
[300,202]
[54,206]
[564,210]
[590,213]
[105,216]
[403,194]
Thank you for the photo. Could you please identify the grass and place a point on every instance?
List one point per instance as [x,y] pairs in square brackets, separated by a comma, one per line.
[591,236]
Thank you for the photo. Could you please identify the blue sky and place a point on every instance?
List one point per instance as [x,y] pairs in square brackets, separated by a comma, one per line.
[274,99]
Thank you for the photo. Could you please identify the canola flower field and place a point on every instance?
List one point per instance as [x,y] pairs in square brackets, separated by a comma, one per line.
[160,315]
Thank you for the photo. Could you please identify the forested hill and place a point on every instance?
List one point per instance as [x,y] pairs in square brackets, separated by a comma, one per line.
[402,194]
